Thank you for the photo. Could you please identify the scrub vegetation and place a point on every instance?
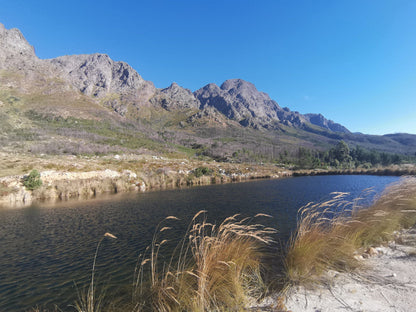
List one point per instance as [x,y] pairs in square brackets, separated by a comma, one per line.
[342,156]
[33,180]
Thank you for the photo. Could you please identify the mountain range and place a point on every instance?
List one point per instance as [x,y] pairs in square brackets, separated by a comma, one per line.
[89,103]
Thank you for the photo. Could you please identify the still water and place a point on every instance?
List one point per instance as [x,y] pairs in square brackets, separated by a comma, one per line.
[46,250]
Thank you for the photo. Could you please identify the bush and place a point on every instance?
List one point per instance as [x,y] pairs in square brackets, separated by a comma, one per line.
[32,181]
[200,171]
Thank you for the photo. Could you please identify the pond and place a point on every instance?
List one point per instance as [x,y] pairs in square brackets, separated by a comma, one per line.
[47,251]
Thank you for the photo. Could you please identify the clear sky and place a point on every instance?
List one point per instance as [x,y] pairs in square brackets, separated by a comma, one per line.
[354,61]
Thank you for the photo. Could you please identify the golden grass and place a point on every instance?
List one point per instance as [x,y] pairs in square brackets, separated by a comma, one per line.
[214,268]
[89,301]
[329,233]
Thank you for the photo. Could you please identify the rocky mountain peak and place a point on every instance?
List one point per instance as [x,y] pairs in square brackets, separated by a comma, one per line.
[211,88]
[174,85]
[247,91]
[97,74]
[241,101]
[15,51]
[238,85]
[176,97]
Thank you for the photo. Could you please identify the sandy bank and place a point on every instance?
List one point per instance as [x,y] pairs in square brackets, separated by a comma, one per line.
[386,283]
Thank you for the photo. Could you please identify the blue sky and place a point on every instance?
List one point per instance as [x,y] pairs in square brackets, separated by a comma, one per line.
[353,61]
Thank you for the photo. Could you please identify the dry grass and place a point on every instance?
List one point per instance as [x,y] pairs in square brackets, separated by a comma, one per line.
[89,301]
[214,268]
[329,233]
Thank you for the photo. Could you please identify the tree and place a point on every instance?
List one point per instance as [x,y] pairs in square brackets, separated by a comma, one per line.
[342,152]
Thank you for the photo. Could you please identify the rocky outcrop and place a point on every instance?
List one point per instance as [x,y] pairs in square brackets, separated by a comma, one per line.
[239,100]
[19,63]
[64,185]
[176,97]
[116,84]
[59,185]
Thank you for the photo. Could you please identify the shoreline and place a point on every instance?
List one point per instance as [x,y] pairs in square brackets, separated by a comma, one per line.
[66,185]
[65,178]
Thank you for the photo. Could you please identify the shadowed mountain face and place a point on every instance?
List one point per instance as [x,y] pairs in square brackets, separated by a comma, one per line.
[37,97]
[321,121]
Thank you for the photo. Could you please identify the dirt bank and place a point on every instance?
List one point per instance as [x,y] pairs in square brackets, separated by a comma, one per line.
[124,174]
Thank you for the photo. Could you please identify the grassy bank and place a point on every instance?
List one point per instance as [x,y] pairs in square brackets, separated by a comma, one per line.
[332,235]
[397,170]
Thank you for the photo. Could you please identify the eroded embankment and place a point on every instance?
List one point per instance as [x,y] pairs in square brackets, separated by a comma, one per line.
[60,185]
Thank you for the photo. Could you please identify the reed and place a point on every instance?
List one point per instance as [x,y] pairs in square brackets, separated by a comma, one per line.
[89,301]
[329,234]
[214,268]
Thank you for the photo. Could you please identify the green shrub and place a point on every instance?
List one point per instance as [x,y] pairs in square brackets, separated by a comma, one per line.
[200,171]
[32,181]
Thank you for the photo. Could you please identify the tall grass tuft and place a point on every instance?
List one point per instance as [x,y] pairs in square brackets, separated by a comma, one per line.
[214,268]
[88,301]
[329,233]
